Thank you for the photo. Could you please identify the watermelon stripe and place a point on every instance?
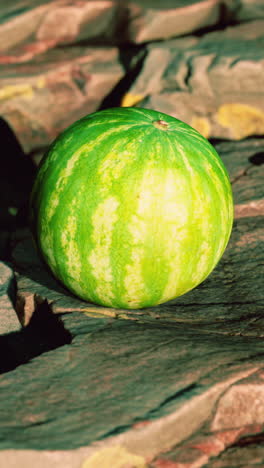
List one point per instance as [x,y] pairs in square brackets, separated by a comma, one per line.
[69,264]
[197,212]
[103,222]
[142,225]
[127,190]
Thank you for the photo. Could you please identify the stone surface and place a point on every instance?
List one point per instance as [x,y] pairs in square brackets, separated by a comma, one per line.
[247,10]
[212,82]
[233,438]
[153,20]
[106,381]
[8,318]
[77,397]
[231,448]
[34,96]
[30,26]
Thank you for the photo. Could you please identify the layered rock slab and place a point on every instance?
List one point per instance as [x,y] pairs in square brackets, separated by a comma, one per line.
[40,98]
[45,23]
[106,381]
[213,82]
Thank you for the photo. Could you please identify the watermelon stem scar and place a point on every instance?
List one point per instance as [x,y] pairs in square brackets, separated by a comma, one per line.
[161,124]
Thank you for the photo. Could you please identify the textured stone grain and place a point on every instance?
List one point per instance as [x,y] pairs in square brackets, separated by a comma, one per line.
[213,84]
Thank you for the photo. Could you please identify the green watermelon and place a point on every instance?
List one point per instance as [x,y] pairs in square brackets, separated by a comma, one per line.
[131,208]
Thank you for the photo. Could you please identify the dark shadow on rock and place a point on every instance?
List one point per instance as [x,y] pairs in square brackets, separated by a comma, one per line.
[114,98]
[257,159]
[253,439]
[16,180]
[44,333]
[226,17]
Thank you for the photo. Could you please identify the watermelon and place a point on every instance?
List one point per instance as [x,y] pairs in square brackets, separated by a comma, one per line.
[131,208]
